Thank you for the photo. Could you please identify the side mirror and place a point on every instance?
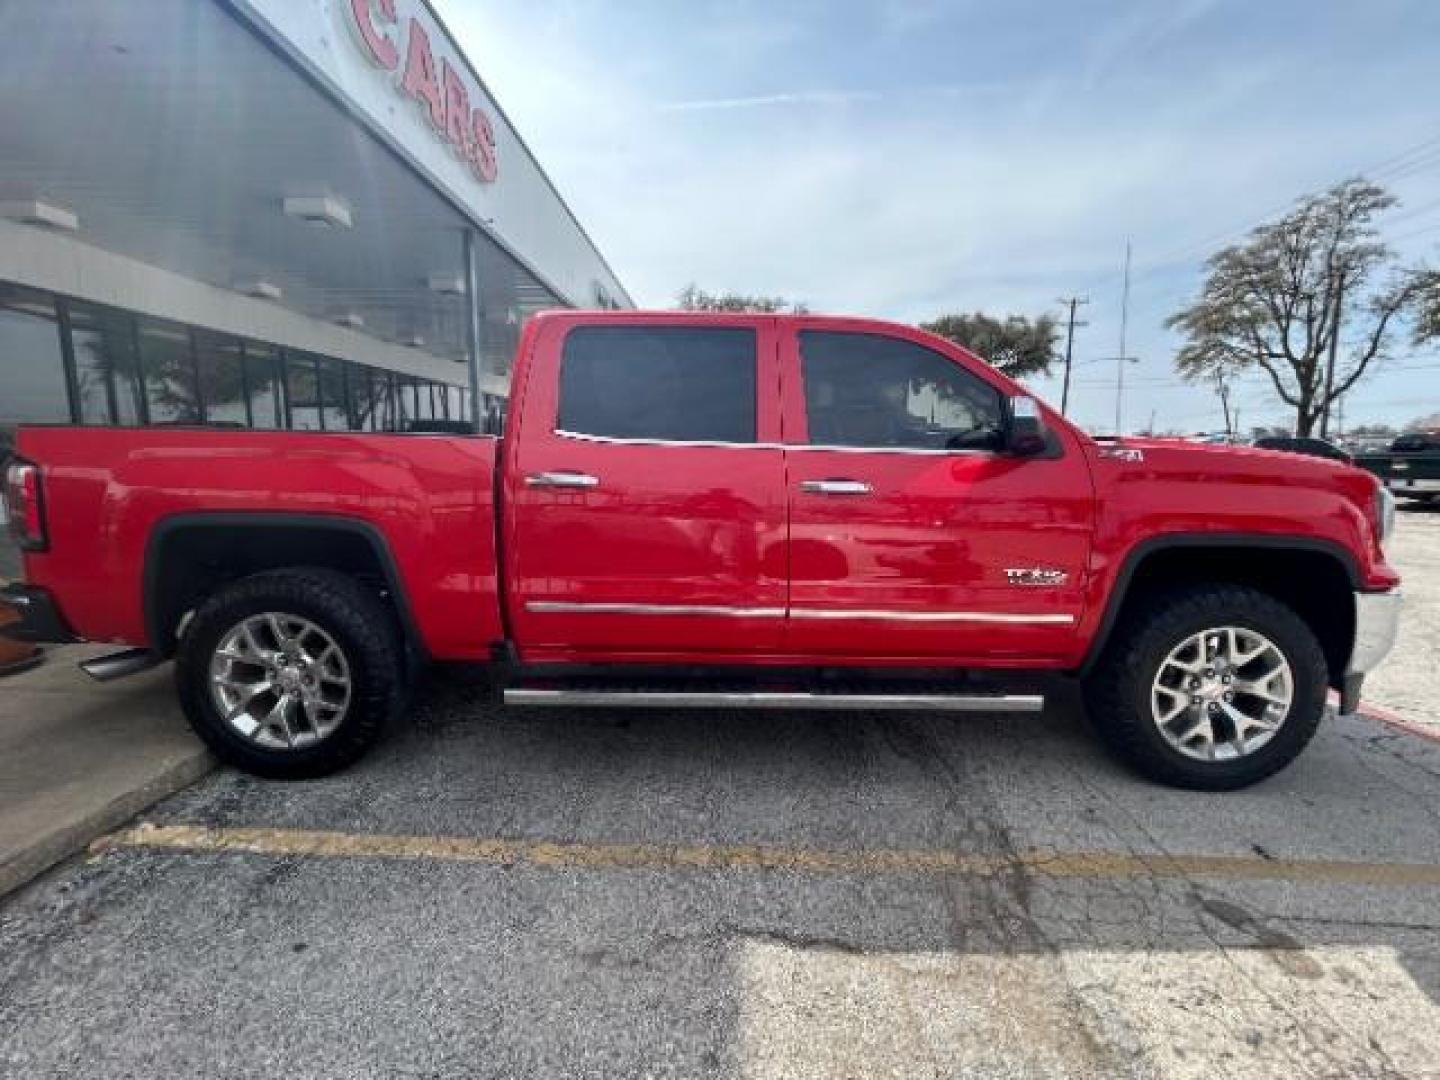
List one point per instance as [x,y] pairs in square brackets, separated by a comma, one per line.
[1025,431]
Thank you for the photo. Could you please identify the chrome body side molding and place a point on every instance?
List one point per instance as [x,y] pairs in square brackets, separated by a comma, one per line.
[1008,617]
[565,607]
[568,607]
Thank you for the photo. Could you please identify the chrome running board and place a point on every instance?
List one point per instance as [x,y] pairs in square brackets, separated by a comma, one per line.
[771,699]
[118,665]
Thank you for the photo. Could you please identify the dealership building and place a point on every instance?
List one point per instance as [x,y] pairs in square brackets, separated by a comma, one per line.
[305,214]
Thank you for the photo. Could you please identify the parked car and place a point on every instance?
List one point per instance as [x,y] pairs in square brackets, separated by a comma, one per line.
[728,511]
[1292,444]
[1411,467]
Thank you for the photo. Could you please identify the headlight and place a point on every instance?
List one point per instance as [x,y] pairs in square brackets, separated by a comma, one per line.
[1384,513]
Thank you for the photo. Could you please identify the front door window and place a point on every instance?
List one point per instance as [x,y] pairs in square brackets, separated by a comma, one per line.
[867,390]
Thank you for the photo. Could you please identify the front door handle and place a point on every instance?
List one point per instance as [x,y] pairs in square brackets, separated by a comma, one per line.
[835,487]
[562,479]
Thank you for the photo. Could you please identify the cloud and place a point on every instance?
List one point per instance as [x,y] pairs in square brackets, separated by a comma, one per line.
[900,186]
[1131,40]
[801,97]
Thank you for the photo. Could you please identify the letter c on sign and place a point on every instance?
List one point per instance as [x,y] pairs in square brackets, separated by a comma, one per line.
[379,47]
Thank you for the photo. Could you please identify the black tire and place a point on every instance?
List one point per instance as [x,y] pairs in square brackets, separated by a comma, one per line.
[354,618]
[1118,690]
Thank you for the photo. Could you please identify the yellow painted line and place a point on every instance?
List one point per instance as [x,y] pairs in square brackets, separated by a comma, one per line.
[818,861]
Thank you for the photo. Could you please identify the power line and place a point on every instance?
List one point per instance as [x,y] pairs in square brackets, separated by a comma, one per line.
[1407,162]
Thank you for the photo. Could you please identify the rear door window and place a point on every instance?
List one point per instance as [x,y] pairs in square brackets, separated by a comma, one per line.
[666,383]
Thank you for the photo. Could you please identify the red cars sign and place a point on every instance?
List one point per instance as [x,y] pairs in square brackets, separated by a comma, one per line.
[403,47]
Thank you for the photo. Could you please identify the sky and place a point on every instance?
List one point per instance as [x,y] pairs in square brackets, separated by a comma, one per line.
[907,158]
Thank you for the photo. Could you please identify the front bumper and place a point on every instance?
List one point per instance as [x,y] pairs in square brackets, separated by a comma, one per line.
[40,619]
[1377,621]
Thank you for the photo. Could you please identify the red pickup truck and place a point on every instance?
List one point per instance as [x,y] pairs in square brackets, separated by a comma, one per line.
[725,511]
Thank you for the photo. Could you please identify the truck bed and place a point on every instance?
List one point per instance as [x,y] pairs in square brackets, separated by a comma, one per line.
[426,500]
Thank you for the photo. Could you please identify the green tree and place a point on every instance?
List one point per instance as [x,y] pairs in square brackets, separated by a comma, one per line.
[1015,345]
[694,298]
[1312,300]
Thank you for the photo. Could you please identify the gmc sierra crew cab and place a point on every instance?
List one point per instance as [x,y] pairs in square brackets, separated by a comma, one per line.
[733,511]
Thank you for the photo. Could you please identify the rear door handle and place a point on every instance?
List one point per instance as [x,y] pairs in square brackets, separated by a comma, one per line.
[835,487]
[562,479]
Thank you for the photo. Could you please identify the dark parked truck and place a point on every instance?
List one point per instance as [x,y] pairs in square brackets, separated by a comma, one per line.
[1410,468]
[726,511]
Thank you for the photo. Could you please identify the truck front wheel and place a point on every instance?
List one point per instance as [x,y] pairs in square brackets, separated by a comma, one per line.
[1211,687]
[290,673]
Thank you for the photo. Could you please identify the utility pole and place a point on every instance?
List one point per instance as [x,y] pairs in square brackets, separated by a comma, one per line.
[1069,347]
[1120,357]
[1124,358]
[1330,360]
[1223,388]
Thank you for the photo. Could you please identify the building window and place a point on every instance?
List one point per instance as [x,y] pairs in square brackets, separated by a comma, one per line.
[357,402]
[673,383]
[388,418]
[409,410]
[372,401]
[418,400]
[64,360]
[168,364]
[333,413]
[492,414]
[370,390]
[107,371]
[221,364]
[302,391]
[262,384]
[32,364]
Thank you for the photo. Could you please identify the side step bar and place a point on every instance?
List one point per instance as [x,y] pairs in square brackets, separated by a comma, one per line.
[118,665]
[765,699]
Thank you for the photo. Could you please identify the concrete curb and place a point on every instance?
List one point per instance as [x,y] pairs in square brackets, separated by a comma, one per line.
[59,843]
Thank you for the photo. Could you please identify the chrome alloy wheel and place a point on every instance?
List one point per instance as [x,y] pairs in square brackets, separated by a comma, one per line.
[1222,694]
[280,681]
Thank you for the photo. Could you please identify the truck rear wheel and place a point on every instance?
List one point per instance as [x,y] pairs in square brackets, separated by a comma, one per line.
[1210,687]
[290,673]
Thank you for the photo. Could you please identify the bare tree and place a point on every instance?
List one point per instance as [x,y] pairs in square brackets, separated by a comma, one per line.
[1312,300]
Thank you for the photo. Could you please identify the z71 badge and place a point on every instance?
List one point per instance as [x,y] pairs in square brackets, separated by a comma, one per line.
[1035,575]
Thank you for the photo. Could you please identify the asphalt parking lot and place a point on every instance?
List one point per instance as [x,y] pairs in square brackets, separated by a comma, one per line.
[625,894]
